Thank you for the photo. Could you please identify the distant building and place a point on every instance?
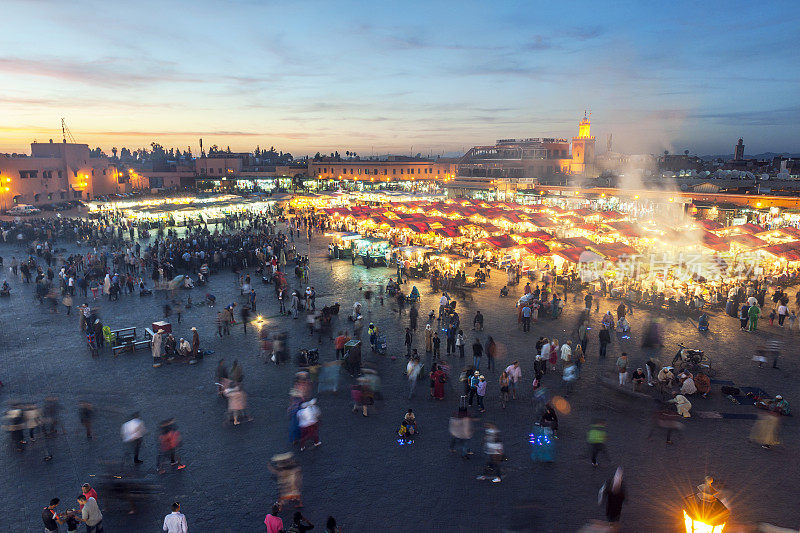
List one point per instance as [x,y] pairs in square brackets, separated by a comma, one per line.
[393,169]
[738,150]
[532,157]
[56,172]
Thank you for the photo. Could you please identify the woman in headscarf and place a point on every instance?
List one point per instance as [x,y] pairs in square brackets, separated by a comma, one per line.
[613,491]
[428,338]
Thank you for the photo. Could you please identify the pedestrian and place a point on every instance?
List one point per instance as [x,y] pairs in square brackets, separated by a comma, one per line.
[514,373]
[133,432]
[300,524]
[477,323]
[86,414]
[436,341]
[622,368]
[50,517]
[752,314]
[413,369]
[236,374]
[272,521]
[331,527]
[289,478]
[504,387]
[90,514]
[460,428]
[175,522]
[474,379]
[491,353]
[596,437]
[155,346]
[477,353]
[460,341]
[605,339]
[339,343]
[413,316]
[408,342]
[613,492]
[195,345]
[493,448]
[765,430]
[438,379]
[308,420]
[428,339]
[481,391]
[169,441]
[237,404]
[783,311]
[67,301]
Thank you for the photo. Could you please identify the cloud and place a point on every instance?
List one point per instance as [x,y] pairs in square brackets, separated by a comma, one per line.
[786,116]
[107,72]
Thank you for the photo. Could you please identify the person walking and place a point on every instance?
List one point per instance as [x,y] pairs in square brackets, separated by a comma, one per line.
[155,346]
[491,353]
[613,492]
[428,338]
[409,341]
[412,372]
[460,344]
[596,437]
[175,522]
[413,316]
[133,432]
[622,368]
[493,448]
[474,379]
[273,522]
[477,353]
[514,374]
[605,340]
[437,342]
[753,312]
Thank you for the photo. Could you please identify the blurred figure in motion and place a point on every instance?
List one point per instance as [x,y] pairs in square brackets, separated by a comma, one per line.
[86,416]
[493,448]
[461,432]
[169,442]
[15,425]
[288,476]
[132,435]
[51,411]
[613,492]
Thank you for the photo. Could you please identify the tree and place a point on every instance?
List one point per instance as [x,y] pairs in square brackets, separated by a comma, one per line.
[317,156]
[114,152]
[258,151]
[686,152]
[228,150]
[213,149]
[666,153]
[347,153]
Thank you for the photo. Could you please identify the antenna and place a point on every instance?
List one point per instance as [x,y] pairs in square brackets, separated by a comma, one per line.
[65,132]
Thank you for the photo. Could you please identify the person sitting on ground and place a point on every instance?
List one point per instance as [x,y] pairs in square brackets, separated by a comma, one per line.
[5,290]
[703,384]
[682,404]
[408,427]
[414,295]
[688,386]
[549,418]
[184,348]
[639,378]
[777,405]
[623,325]
[666,376]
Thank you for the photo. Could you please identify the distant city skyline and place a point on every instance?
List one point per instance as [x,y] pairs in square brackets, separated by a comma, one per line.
[428,77]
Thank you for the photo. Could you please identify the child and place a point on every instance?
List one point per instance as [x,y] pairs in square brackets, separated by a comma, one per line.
[72,520]
[772,316]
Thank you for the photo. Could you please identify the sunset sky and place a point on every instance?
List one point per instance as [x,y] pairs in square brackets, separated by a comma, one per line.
[432,77]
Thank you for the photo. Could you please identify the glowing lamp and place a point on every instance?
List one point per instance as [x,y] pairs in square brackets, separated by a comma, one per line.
[702,515]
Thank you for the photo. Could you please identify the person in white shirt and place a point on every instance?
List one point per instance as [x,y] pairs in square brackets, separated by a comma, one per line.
[514,373]
[132,434]
[175,522]
[782,312]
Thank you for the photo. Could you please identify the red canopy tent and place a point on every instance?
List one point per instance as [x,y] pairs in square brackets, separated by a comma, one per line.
[747,240]
[790,251]
[626,229]
[446,232]
[710,225]
[501,241]
[580,242]
[578,255]
[537,248]
[542,235]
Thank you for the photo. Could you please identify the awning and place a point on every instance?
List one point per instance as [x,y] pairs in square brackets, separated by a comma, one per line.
[501,241]
[579,255]
[537,248]
[579,242]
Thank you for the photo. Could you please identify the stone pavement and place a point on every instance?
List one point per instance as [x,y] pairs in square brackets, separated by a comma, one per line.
[360,474]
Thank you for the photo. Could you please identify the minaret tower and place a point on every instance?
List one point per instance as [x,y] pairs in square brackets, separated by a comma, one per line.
[583,148]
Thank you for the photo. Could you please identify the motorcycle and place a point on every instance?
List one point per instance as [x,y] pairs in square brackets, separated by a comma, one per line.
[693,360]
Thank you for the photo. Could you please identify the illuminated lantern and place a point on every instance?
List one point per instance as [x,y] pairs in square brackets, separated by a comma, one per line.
[704,515]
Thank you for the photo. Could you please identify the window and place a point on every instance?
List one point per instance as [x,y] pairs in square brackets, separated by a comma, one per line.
[394,171]
[62,195]
[385,171]
[76,194]
[376,172]
[220,171]
[60,175]
[401,171]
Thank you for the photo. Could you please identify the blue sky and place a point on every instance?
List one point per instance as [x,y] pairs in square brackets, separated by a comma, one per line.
[401,76]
